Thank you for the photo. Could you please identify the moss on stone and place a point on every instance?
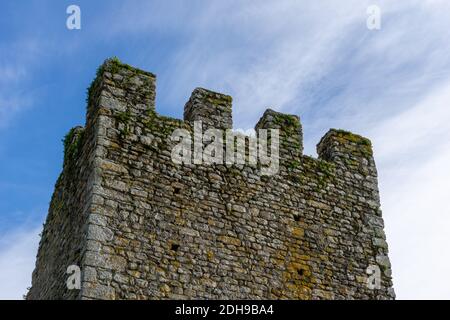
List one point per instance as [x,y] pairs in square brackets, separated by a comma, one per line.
[124,118]
[325,173]
[293,164]
[286,120]
[114,65]
[219,101]
[289,125]
[72,143]
[166,125]
[364,143]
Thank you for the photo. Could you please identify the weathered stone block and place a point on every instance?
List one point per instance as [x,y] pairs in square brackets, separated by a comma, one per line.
[143,227]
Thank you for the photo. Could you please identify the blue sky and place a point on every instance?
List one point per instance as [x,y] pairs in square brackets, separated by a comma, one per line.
[316,59]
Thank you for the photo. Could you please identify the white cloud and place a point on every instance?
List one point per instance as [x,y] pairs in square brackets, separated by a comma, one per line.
[11,101]
[10,106]
[17,259]
[413,153]
[417,219]
[17,60]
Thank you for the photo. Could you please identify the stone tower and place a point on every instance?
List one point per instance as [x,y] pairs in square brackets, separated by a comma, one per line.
[140,226]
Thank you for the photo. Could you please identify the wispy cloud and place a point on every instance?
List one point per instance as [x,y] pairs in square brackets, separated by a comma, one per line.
[17,59]
[10,106]
[310,58]
[413,152]
[17,259]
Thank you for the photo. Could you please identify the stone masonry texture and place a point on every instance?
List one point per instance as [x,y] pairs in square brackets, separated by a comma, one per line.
[140,226]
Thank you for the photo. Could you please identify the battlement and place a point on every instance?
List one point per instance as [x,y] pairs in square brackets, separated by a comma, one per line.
[142,226]
[129,93]
[212,108]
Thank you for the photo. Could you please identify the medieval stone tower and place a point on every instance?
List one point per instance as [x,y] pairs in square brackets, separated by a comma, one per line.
[140,226]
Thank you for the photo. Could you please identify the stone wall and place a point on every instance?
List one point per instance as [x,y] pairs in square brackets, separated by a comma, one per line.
[142,227]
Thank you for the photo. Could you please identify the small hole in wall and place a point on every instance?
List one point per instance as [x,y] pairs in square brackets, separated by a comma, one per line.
[301,272]
[176,190]
[297,217]
[174,247]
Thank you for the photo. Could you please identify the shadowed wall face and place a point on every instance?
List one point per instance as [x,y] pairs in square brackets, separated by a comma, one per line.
[153,229]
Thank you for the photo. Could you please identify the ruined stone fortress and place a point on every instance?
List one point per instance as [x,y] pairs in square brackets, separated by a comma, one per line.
[140,226]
